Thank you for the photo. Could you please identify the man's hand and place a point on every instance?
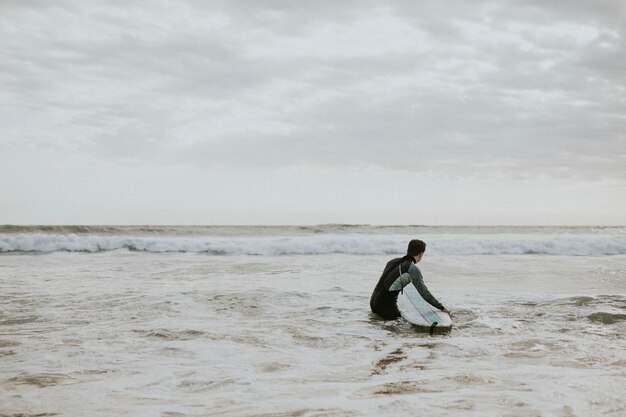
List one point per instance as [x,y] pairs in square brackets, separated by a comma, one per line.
[445,310]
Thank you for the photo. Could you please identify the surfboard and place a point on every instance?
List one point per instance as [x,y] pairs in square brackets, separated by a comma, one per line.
[417,311]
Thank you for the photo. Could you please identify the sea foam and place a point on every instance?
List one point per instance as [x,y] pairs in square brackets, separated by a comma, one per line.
[438,244]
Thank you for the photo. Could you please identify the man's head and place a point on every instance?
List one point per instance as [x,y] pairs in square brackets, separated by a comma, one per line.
[416,249]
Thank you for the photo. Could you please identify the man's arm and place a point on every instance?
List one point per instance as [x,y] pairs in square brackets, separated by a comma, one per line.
[418,281]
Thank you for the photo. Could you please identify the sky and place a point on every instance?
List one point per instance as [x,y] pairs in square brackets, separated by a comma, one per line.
[290,112]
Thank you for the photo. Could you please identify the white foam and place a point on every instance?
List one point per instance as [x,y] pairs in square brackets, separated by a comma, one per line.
[143,334]
[358,244]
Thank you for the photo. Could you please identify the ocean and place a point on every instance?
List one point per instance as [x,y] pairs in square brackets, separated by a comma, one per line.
[275,321]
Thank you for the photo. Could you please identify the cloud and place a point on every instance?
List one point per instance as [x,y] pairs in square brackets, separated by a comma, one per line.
[511,89]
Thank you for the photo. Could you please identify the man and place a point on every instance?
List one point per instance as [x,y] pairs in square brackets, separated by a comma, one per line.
[397,274]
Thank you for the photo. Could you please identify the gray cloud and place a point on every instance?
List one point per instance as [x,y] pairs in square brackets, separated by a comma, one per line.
[457,88]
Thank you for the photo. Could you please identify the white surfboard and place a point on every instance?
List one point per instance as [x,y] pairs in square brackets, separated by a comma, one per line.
[417,311]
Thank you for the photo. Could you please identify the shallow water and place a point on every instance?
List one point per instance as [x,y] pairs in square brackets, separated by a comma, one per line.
[191,334]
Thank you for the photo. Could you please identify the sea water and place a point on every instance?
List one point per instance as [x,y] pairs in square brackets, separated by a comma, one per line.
[275,321]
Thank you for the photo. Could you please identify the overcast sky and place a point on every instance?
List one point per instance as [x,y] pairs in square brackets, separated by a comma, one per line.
[293,112]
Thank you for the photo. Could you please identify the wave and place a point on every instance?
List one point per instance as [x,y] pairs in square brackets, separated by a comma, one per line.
[359,244]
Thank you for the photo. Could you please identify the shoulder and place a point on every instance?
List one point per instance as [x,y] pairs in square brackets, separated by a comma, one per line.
[413,269]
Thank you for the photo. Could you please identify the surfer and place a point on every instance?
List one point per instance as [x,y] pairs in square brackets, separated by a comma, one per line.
[397,274]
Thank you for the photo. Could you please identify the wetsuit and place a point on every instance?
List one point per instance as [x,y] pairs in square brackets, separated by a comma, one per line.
[396,275]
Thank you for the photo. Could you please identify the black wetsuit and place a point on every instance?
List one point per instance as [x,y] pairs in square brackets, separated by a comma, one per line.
[384,300]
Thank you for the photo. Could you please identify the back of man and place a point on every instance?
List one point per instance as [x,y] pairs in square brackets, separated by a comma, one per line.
[383,301]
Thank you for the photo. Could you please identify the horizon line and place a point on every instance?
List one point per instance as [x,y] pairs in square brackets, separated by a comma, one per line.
[302,225]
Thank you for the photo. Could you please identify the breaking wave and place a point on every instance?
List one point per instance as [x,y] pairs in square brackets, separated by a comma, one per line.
[438,244]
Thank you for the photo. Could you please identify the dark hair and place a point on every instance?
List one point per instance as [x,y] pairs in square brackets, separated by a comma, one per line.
[415,247]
